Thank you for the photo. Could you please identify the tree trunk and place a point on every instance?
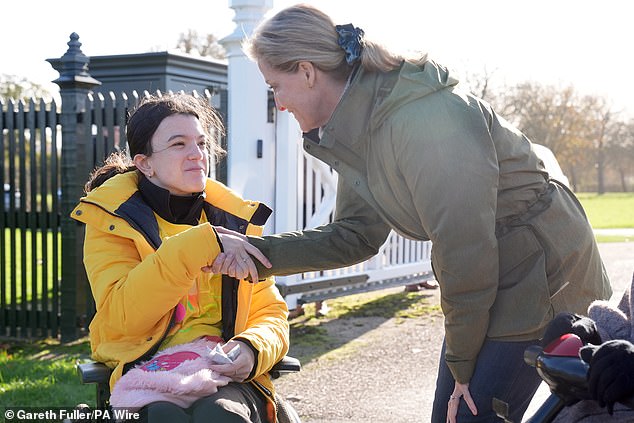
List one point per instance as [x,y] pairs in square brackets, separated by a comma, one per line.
[623,180]
[573,178]
[600,173]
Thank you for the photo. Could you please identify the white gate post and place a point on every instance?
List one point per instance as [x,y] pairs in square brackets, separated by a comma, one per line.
[250,137]
[288,153]
[272,178]
[288,184]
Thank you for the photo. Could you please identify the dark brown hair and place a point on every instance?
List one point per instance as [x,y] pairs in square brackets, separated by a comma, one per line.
[142,124]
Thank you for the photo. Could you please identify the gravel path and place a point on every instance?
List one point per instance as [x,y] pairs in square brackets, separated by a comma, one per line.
[385,370]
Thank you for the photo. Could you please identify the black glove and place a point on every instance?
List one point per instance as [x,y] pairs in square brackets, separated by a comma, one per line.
[611,374]
[565,322]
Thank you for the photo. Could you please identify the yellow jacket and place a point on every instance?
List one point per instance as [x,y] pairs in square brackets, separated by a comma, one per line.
[137,279]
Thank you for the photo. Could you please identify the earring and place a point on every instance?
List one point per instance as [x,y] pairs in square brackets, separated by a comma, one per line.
[150,174]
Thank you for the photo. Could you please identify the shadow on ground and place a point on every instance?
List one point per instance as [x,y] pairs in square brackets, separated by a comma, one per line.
[351,317]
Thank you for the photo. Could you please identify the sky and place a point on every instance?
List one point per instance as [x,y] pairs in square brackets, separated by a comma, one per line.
[583,43]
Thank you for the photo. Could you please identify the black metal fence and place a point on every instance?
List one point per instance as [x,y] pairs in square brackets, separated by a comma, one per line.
[30,242]
[48,151]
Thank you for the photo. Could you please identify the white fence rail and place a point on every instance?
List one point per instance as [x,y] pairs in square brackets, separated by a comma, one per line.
[399,262]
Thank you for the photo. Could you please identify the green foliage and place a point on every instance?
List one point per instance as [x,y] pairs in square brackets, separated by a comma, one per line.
[43,374]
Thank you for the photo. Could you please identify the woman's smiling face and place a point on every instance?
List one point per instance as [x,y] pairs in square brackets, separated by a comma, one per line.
[180,155]
[300,93]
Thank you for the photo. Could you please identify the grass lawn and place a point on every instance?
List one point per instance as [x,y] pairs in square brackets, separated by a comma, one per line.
[611,210]
[13,261]
[43,374]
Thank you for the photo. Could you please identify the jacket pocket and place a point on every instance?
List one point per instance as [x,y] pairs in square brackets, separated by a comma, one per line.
[522,305]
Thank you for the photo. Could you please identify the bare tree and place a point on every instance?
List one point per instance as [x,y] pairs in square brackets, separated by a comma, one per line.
[205,45]
[548,116]
[621,152]
[584,132]
[601,131]
[16,87]
[480,84]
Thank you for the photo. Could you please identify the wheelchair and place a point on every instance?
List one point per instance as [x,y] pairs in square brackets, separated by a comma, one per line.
[565,374]
[99,374]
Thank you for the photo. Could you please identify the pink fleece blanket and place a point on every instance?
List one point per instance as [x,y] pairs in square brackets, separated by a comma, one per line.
[178,374]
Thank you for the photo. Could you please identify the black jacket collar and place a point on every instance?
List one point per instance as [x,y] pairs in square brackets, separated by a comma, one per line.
[173,208]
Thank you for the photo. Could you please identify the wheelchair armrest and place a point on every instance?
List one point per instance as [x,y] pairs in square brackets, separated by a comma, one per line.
[94,372]
[99,373]
[285,365]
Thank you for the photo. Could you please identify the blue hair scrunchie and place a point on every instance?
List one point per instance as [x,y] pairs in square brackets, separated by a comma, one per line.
[350,38]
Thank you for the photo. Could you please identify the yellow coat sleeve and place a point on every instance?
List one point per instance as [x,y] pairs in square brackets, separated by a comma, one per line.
[135,286]
[266,327]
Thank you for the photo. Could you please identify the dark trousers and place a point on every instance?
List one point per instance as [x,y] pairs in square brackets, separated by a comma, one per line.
[500,373]
[234,403]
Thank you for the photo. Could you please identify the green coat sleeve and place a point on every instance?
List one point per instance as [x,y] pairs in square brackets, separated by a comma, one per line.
[355,235]
[450,167]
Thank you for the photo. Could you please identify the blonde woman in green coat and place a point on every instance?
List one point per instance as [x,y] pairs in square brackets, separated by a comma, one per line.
[418,155]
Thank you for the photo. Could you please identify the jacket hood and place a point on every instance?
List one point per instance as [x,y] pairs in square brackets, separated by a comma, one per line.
[410,83]
[373,96]
[114,191]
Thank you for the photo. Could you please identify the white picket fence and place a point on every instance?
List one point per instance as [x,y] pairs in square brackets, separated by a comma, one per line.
[400,261]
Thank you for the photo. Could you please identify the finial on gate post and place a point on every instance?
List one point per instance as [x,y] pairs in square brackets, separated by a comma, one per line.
[73,67]
[248,101]
[75,84]
[247,15]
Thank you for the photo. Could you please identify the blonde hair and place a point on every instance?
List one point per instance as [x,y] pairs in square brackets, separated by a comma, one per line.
[304,33]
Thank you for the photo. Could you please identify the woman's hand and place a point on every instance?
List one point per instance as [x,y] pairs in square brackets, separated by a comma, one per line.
[236,260]
[242,365]
[460,392]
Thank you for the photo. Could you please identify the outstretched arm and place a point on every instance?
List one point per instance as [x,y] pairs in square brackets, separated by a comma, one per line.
[356,234]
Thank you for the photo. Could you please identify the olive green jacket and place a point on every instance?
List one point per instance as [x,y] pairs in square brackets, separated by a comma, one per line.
[417,155]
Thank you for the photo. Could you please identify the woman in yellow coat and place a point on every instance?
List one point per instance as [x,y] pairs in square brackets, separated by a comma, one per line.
[154,224]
